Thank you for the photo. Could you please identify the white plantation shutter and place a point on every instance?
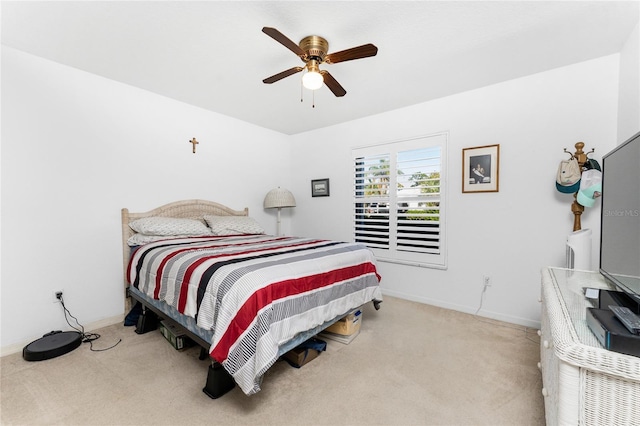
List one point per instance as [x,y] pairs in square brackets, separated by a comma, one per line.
[398,202]
[372,200]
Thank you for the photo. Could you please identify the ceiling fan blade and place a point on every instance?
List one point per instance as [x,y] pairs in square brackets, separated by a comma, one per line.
[282,75]
[283,40]
[364,51]
[332,84]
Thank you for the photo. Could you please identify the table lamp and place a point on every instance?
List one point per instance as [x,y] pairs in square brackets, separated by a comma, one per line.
[277,199]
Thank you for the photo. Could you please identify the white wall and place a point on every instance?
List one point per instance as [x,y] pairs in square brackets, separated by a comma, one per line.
[76,148]
[629,104]
[509,235]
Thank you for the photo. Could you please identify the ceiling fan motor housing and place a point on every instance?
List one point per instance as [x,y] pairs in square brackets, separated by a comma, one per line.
[315,47]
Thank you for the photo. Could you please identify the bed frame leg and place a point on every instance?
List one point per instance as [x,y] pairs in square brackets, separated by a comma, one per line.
[204,353]
[376,304]
[147,321]
[219,381]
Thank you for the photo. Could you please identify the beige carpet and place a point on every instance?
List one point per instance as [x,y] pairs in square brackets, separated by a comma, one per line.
[412,364]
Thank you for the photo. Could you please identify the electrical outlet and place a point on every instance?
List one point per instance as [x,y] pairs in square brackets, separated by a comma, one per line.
[57,296]
[486,280]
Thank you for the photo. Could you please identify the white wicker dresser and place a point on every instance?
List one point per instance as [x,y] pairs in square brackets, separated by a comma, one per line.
[583,383]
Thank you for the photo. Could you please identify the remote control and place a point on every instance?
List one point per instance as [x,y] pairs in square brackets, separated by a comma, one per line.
[626,316]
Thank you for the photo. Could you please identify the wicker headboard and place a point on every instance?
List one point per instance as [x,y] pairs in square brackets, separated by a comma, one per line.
[191,209]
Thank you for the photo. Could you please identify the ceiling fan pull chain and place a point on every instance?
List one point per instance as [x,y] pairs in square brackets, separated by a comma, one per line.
[313,99]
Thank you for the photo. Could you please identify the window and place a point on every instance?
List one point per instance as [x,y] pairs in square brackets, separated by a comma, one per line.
[398,200]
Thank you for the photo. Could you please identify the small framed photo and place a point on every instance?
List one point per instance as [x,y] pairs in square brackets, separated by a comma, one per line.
[320,188]
[480,168]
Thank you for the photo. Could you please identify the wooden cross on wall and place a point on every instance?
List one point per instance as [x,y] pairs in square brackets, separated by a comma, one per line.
[194,142]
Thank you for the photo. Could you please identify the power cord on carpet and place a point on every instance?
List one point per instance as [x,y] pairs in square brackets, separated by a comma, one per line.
[484,290]
[86,337]
[477,318]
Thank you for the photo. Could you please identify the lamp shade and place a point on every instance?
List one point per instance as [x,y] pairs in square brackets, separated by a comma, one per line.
[279,197]
[312,80]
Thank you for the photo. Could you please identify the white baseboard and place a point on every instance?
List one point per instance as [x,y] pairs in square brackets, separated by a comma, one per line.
[16,348]
[460,308]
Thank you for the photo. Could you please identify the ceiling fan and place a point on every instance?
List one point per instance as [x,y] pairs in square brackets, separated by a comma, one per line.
[313,52]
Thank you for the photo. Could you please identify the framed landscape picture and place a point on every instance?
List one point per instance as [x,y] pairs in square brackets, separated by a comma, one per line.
[481,168]
[320,188]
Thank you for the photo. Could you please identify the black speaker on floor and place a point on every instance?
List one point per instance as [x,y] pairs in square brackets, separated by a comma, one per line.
[51,345]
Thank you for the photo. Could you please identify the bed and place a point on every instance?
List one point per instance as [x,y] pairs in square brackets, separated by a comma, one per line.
[244,296]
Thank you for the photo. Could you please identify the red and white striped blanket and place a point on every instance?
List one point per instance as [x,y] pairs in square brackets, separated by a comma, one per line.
[255,292]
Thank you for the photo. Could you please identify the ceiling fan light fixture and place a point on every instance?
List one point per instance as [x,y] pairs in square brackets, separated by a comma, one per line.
[312,80]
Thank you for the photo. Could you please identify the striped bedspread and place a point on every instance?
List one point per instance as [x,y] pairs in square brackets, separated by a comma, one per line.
[255,292]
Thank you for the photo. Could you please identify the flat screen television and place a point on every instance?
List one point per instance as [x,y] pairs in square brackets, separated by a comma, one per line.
[620,217]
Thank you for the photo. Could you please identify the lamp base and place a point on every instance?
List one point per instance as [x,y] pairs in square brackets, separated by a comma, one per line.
[278,226]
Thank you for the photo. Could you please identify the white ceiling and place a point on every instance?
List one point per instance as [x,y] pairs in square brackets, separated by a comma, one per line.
[213,54]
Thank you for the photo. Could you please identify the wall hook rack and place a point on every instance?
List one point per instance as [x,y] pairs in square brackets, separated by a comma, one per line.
[571,157]
[577,208]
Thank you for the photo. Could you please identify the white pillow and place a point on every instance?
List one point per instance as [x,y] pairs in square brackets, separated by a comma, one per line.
[233,225]
[156,225]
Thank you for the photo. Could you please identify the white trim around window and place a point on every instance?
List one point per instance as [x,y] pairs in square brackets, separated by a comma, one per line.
[399,200]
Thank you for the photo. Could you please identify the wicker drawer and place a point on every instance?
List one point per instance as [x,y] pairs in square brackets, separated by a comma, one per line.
[549,367]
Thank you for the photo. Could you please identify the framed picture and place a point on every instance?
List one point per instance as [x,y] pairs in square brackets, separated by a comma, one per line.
[480,168]
[320,188]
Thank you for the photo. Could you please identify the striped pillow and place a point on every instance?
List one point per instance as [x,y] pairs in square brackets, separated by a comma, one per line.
[233,225]
[169,226]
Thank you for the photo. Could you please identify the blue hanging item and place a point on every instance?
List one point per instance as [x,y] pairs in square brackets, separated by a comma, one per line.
[133,315]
